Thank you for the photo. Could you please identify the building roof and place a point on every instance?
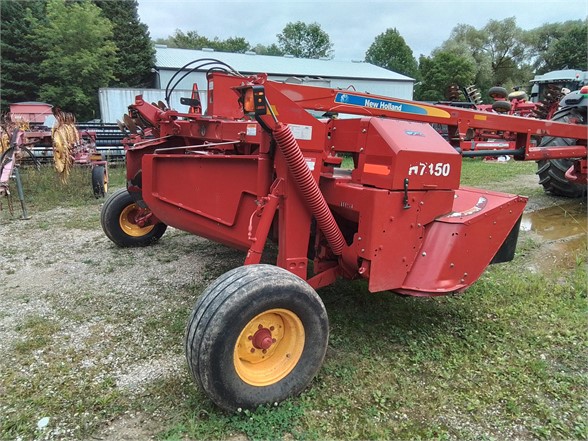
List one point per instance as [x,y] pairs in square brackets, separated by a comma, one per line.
[250,63]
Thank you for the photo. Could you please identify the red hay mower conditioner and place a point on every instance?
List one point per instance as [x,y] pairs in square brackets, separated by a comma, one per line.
[259,166]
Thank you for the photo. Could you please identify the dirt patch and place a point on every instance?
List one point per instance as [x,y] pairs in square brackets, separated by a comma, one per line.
[129,428]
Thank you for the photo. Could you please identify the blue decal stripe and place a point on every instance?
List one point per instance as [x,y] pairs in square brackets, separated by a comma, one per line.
[380,104]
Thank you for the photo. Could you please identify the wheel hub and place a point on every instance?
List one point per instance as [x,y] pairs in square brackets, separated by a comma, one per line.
[269,347]
[262,339]
[133,221]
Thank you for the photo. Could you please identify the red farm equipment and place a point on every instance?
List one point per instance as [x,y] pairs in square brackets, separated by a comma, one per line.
[61,138]
[257,166]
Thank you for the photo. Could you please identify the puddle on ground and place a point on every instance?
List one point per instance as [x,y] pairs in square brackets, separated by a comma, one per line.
[564,229]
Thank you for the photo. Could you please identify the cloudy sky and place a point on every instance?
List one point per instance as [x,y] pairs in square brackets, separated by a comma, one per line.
[352,25]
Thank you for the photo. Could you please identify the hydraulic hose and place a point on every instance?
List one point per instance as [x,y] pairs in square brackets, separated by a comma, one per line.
[309,188]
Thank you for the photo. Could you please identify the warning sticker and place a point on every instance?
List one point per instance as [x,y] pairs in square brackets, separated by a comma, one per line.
[301,132]
[251,129]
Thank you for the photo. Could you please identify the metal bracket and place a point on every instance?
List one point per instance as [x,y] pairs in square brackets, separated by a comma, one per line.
[405,199]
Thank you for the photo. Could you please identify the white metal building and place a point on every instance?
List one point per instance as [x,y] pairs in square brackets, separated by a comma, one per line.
[364,77]
[115,101]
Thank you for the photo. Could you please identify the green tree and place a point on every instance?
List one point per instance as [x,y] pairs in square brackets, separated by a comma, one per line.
[305,41]
[80,56]
[188,40]
[498,49]
[272,49]
[193,40]
[559,46]
[539,40]
[20,54]
[443,69]
[499,44]
[232,44]
[390,51]
[468,41]
[135,52]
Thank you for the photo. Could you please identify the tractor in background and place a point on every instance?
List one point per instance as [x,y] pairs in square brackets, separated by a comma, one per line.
[557,96]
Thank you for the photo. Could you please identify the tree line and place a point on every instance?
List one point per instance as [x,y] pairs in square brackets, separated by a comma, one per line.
[63,51]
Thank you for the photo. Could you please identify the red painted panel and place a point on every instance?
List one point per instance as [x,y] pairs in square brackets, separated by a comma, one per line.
[459,246]
[213,196]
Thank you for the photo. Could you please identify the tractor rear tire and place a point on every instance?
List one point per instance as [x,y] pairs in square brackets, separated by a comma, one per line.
[117,222]
[552,172]
[99,181]
[257,335]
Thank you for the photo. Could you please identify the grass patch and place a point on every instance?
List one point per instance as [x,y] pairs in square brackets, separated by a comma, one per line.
[475,171]
[37,333]
[43,190]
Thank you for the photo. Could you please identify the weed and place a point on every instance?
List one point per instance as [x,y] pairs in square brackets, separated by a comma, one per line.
[268,422]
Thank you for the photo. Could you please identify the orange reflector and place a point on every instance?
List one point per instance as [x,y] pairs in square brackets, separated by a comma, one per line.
[254,100]
[376,169]
[248,104]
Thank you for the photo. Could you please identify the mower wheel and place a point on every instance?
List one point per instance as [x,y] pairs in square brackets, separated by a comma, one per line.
[118,221]
[99,181]
[497,93]
[257,335]
[552,172]
[501,106]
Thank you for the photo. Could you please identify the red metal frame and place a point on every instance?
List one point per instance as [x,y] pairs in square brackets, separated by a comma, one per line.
[399,219]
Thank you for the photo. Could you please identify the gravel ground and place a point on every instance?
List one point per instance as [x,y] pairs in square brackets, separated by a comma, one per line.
[96,306]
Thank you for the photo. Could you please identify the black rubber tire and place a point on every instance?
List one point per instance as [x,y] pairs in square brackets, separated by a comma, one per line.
[99,181]
[552,172]
[226,307]
[110,219]
[497,92]
[518,95]
[501,106]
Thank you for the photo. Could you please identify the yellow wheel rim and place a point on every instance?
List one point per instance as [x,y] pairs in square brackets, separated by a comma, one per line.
[105,183]
[128,225]
[269,347]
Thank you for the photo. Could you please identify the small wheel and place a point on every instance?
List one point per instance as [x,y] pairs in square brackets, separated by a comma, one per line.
[518,95]
[119,221]
[501,106]
[498,93]
[257,335]
[99,181]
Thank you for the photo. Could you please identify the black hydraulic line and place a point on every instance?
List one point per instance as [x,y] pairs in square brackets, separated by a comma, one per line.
[207,62]
[475,153]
